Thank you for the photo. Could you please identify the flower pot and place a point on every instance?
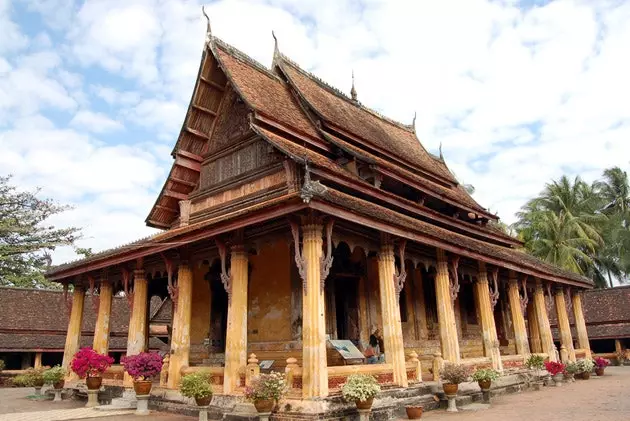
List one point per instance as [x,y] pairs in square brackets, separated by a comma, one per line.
[264,405]
[366,404]
[59,384]
[599,371]
[586,375]
[537,385]
[414,412]
[450,388]
[142,387]
[38,383]
[485,384]
[205,401]
[557,379]
[569,377]
[93,383]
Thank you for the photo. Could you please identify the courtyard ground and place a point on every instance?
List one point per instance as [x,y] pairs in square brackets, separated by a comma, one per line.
[599,399]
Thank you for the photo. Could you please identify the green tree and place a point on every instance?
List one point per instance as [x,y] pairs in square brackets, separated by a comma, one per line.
[561,226]
[26,239]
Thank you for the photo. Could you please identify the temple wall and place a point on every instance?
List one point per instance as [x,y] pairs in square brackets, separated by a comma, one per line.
[200,321]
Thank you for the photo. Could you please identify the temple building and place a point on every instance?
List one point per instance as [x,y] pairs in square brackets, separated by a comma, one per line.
[293,217]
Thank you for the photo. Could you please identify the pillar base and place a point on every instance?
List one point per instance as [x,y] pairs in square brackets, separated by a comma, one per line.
[203,413]
[364,414]
[38,391]
[452,404]
[58,395]
[264,416]
[142,407]
[485,395]
[92,399]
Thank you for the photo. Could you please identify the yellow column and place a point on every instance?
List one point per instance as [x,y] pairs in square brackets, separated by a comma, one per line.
[138,320]
[422,314]
[101,330]
[488,326]
[38,360]
[534,334]
[73,337]
[563,323]
[518,321]
[390,311]
[315,369]
[180,340]
[546,340]
[445,311]
[236,336]
[580,324]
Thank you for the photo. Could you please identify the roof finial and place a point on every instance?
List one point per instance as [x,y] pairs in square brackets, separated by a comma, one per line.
[208,28]
[353,91]
[413,122]
[275,43]
[441,155]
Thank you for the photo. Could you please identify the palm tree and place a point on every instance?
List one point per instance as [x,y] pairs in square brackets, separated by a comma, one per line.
[615,191]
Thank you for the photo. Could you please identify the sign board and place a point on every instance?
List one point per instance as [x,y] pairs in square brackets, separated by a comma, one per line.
[266,364]
[347,349]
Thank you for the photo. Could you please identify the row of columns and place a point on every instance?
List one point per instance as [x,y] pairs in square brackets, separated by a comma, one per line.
[314,272]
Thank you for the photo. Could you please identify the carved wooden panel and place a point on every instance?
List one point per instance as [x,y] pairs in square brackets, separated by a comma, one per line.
[250,157]
[275,179]
[232,122]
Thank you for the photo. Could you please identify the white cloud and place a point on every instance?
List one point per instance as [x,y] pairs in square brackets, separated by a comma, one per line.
[516,96]
[95,122]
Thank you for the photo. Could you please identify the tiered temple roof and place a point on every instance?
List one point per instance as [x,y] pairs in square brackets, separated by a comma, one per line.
[369,169]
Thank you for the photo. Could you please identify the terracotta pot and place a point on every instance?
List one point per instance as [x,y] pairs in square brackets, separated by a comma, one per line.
[264,405]
[205,401]
[366,404]
[59,384]
[586,375]
[450,388]
[142,387]
[485,384]
[599,371]
[93,383]
[414,412]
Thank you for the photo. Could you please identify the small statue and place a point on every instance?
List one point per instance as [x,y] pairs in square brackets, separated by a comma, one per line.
[164,372]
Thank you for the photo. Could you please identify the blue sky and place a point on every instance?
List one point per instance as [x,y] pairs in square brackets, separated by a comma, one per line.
[93,93]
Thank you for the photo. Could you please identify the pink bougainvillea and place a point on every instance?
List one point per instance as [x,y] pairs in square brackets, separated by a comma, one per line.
[89,363]
[143,366]
[601,362]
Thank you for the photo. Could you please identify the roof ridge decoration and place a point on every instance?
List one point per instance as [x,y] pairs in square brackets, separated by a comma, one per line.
[239,55]
[353,91]
[310,188]
[337,92]
[208,27]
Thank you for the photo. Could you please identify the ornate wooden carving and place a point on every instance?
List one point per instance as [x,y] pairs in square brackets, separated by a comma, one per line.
[494,288]
[524,298]
[127,288]
[549,297]
[400,275]
[326,262]
[232,122]
[238,162]
[93,296]
[291,174]
[310,188]
[299,259]
[66,299]
[172,287]
[454,277]
[226,275]
[567,292]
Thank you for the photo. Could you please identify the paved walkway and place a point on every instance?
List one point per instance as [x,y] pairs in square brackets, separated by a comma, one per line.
[598,399]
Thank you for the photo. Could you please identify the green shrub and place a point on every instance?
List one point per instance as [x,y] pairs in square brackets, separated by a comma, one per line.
[54,375]
[485,374]
[22,380]
[454,373]
[196,385]
[360,387]
[535,362]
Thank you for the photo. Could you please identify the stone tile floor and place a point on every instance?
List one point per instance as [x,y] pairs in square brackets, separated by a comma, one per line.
[598,399]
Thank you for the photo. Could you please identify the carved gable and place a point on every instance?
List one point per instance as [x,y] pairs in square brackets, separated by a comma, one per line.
[232,124]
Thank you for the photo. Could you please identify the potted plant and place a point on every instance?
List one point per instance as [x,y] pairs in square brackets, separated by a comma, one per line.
[90,365]
[600,365]
[266,390]
[536,363]
[21,380]
[143,367]
[197,386]
[55,376]
[584,368]
[570,370]
[484,377]
[36,376]
[556,371]
[452,375]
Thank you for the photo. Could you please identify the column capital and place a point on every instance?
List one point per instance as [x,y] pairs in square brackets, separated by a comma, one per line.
[559,289]
[513,282]
[79,288]
[138,273]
